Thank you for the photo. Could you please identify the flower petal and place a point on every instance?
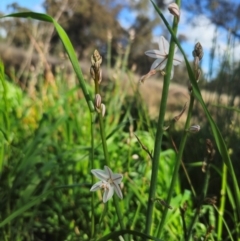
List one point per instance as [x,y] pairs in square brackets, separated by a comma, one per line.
[159,63]
[100,174]
[118,190]
[108,193]
[175,49]
[117,178]
[108,171]
[163,45]
[155,54]
[96,186]
[177,59]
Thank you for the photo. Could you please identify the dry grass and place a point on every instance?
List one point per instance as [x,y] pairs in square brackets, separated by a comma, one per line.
[151,91]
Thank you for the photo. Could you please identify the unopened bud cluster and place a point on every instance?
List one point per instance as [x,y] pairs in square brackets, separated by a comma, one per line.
[96,74]
[95,70]
[198,55]
[198,51]
[99,106]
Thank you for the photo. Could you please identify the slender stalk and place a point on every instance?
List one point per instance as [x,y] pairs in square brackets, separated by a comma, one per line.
[198,209]
[118,210]
[185,171]
[96,73]
[104,212]
[176,168]
[225,224]
[126,55]
[222,202]
[105,150]
[104,140]
[159,134]
[91,167]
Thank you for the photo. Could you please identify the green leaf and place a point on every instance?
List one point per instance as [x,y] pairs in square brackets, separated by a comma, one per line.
[23,209]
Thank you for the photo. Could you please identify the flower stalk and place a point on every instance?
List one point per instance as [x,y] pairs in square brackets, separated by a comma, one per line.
[159,134]
[108,180]
[91,167]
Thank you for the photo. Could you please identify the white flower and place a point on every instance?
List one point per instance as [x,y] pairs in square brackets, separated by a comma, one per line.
[161,56]
[109,182]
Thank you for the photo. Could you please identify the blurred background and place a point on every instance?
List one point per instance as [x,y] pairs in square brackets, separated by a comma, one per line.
[92,24]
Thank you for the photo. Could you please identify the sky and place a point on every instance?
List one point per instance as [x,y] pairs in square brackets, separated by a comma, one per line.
[202,33]
[34,5]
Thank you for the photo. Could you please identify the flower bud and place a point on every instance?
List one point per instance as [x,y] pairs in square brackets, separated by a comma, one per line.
[174,10]
[103,109]
[92,73]
[96,59]
[98,101]
[194,129]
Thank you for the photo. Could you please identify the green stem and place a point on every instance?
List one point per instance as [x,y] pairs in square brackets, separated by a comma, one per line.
[104,140]
[97,70]
[126,55]
[203,195]
[222,202]
[105,150]
[177,165]
[92,167]
[118,210]
[159,134]
[225,224]
[104,212]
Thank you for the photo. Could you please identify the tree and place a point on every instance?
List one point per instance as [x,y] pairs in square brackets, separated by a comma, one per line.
[222,13]
[87,22]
